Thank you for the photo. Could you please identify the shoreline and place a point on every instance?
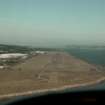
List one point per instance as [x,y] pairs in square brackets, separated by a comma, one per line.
[44,91]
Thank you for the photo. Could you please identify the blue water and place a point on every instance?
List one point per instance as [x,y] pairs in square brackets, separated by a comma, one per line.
[94,56]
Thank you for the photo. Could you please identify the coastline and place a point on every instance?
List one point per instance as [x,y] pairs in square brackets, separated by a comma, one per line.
[44,91]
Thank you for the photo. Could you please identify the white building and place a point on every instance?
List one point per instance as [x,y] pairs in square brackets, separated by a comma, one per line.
[12,55]
[40,52]
[1,67]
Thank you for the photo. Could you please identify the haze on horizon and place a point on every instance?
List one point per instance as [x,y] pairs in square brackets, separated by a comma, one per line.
[52,22]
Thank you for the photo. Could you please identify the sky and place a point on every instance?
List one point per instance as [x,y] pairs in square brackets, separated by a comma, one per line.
[52,22]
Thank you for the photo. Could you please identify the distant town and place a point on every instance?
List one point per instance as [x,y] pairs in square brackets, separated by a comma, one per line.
[12,54]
